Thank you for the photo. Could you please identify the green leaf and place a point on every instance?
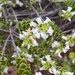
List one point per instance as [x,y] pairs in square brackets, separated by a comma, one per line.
[20,71]
[22,65]
[26,72]
[19,61]
[72,55]
[47,65]
[3,62]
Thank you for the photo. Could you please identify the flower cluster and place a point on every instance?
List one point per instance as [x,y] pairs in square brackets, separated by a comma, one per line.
[41,28]
[68,14]
[43,31]
[28,39]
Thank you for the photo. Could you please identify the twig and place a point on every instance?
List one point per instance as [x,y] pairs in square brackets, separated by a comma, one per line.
[13,42]
[67,31]
[14,14]
[5,44]
[4,13]
[40,6]
[8,40]
[34,10]
[15,35]
[2,30]
[65,25]
[53,12]
[47,6]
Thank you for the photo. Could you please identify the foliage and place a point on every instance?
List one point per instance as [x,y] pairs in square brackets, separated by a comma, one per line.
[23,66]
[70,3]
[3,63]
[40,41]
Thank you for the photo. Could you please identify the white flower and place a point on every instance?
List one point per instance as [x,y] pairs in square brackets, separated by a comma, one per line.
[6,70]
[29,46]
[68,10]
[43,62]
[68,73]
[73,13]
[23,44]
[36,33]
[67,43]
[34,43]
[42,68]
[54,71]
[48,58]
[66,48]
[39,20]
[21,36]
[25,33]
[50,31]
[33,24]
[58,52]
[14,55]
[44,35]
[70,44]
[73,61]
[13,62]
[38,73]
[5,58]
[19,3]
[29,57]
[64,37]
[55,44]
[35,55]
[34,30]
[47,20]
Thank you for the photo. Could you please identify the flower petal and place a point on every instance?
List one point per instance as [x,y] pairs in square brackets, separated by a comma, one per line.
[55,44]
[63,11]
[6,70]
[39,20]
[69,9]
[48,58]
[21,36]
[19,3]
[29,57]
[73,13]
[47,20]
[34,30]
[33,24]
[43,35]
[34,43]
[50,31]
[69,19]
[38,73]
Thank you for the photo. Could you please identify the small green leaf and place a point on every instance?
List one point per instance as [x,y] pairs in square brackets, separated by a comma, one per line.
[72,55]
